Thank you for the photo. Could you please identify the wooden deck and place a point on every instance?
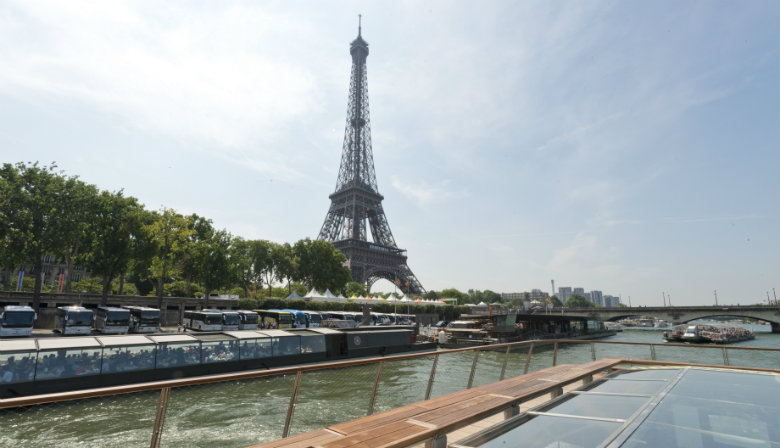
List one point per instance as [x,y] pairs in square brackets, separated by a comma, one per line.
[431,420]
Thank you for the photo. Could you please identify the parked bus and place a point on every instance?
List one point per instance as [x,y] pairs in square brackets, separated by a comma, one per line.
[275,319]
[73,320]
[299,318]
[248,320]
[231,320]
[111,320]
[143,319]
[17,320]
[314,318]
[203,320]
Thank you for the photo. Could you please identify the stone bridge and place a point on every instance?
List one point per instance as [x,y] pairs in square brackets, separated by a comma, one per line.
[679,314]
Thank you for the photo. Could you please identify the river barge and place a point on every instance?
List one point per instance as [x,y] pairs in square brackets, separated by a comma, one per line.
[497,328]
[48,365]
[708,333]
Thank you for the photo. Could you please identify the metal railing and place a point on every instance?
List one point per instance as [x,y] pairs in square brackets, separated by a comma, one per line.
[498,361]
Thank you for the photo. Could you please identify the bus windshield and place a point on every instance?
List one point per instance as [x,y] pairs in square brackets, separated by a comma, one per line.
[212,319]
[230,318]
[18,319]
[79,318]
[117,318]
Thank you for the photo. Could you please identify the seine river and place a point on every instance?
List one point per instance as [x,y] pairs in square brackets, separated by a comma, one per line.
[239,414]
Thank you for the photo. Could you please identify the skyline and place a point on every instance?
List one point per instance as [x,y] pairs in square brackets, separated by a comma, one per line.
[630,148]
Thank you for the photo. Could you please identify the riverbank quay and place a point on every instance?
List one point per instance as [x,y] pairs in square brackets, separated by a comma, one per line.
[256,407]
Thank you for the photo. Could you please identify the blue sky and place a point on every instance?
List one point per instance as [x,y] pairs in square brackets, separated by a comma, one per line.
[630,147]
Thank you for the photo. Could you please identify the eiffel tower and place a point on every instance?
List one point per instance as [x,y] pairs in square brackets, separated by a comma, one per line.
[357,199]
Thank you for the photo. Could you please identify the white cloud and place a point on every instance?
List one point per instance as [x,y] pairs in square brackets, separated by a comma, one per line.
[209,78]
[422,193]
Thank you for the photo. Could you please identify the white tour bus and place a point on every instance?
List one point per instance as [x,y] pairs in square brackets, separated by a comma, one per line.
[112,320]
[17,320]
[249,320]
[204,320]
[73,320]
[143,319]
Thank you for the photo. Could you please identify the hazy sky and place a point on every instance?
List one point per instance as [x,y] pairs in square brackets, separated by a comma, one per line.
[631,147]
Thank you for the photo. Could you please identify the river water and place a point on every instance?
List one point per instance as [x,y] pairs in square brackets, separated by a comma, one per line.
[239,414]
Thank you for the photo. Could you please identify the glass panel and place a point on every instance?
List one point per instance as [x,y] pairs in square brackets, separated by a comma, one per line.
[177,354]
[255,348]
[219,351]
[752,388]
[313,344]
[630,387]
[287,346]
[546,431]
[16,367]
[127,358]
[67,363]
[650,374]
[603,406]
[715,409]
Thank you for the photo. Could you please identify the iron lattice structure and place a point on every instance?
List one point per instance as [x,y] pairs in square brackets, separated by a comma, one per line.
[357,201]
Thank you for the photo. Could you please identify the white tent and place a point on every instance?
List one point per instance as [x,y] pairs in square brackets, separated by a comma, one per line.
[312,294]
[293,296]
[329,294]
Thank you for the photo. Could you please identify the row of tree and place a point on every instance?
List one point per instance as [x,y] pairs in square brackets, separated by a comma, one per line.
[45,212]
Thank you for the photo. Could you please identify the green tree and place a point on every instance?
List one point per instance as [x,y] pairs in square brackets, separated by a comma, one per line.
[556,302]
[201,230]
[454,293]
[320,265]
[14,222]
[355,289]
[284,263]
[170,234]
[578,301]
[114,224]
[216,269]
[78,205]
[38,192]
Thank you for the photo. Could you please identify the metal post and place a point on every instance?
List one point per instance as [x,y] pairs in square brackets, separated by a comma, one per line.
[433,375]
[555,353]
[376,388]
[652,352]
[159,420]
[506,358]
[528,358]
[725,356]
[291,408]
[592,351]
[473,368]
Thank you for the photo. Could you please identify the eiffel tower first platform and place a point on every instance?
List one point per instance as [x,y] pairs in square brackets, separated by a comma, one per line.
[357,199]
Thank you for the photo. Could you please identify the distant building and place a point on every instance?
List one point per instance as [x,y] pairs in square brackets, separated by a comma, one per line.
[564,292]
[597,298]
[51,269]
[580,291]
[611,301]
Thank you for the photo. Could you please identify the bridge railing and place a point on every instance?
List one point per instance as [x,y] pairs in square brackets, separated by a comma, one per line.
[240,409]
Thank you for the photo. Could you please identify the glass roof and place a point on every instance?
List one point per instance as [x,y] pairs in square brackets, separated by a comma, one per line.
[112,341]
[276,333]
[13,345]
[670,407]
[62,343]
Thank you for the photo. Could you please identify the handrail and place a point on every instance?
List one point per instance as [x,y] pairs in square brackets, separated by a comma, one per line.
[250,374]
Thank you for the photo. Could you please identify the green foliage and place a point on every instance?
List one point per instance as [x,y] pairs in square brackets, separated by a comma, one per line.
[556,302]
[578,301]
[248,304]
[92,284]
[355,289]
[454,293]
[320,265]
